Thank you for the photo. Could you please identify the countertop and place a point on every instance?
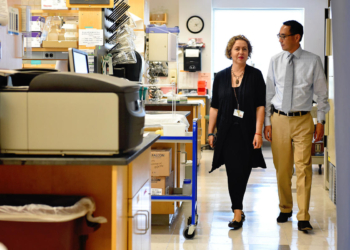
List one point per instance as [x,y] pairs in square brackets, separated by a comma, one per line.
[123,159]
[150,112]
[164,103]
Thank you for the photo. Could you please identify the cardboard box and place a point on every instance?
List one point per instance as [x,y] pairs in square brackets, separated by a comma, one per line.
[60,44]
[37,23]
[34,40]
[162,185]
[161,162]
[163,207]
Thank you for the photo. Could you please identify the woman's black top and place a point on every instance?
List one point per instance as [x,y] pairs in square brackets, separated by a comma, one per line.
[250,94]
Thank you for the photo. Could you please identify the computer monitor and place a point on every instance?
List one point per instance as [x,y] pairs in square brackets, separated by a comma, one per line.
[78,61]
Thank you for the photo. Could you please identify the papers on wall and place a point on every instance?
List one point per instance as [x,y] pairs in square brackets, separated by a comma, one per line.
[205,77]
[189,80]
[53,4]
[13,24]
[4,14]
[90,37]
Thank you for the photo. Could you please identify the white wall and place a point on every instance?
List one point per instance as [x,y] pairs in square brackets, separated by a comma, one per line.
[313,28]
[314,17]
[11,46]
[202,8]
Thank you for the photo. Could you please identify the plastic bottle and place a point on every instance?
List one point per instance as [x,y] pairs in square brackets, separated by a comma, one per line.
[187,187]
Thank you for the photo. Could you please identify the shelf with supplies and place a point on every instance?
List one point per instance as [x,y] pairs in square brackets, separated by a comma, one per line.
[164,21]
[58,12]
[48,49]
[192,221]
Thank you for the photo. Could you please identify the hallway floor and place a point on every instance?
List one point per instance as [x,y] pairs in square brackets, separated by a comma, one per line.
[260,230]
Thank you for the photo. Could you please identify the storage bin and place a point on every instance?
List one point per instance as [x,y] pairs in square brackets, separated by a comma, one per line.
[41,222]
[202,87]
[176,129]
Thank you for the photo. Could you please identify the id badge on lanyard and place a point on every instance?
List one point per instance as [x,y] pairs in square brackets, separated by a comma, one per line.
[238,113]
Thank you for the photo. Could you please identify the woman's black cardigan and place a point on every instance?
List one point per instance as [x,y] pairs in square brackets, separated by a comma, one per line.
[252,95]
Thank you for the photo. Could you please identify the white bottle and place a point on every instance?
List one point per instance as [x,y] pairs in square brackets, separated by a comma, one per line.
[187,187]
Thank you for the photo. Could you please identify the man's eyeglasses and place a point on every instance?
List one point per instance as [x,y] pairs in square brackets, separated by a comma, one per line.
[283,36]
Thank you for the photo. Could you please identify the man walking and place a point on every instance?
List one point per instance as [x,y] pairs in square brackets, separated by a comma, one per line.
[294,76]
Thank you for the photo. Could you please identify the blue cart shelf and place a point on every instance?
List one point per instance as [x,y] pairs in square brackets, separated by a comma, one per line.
[189,231]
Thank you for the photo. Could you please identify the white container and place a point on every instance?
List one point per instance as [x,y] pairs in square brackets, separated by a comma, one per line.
[174,129]
[187,187]
[69,27]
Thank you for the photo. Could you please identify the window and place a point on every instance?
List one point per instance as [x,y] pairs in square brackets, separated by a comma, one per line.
[260,26]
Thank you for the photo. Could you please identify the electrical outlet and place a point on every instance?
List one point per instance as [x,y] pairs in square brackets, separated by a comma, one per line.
[173,75]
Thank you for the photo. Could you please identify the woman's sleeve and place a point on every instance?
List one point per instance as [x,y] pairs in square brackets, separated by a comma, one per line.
[215,96]
[260,90]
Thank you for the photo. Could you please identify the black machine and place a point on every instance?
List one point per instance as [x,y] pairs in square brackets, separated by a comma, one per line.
[192,59]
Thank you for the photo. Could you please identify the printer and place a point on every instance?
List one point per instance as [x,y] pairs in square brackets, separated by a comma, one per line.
[71,114]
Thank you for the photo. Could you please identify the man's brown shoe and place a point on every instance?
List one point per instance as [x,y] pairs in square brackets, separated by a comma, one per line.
[304,225]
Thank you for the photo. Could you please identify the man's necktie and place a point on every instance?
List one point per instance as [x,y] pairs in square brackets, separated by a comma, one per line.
[288,85]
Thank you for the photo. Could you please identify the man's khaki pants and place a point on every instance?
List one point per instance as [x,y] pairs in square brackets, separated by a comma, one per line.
[298,129]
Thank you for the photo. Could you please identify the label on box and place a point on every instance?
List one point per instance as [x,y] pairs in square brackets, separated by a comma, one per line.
[33,42]
[156,191]
[161,162]
[37,23]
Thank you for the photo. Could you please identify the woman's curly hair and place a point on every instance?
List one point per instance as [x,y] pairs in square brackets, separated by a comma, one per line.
[232,41]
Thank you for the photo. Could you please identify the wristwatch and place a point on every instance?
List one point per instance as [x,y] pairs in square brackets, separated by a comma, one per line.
[323,122]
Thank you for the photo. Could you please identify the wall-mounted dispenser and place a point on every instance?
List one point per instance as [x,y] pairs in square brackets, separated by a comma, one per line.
[192,59]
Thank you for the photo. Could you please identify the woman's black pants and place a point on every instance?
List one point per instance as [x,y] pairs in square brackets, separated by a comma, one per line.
[238,167]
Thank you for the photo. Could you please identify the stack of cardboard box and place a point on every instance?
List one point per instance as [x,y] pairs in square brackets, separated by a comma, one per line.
[162,180]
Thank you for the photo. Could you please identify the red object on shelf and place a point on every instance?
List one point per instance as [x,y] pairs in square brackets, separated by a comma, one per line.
[202,87]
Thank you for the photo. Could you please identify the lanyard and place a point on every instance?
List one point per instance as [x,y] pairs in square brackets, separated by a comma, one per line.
[234,89]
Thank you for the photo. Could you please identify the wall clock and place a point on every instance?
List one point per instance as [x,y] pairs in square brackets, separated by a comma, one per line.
[195,24]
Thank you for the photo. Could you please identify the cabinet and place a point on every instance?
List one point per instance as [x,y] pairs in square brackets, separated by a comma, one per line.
[120,187]
[139,223]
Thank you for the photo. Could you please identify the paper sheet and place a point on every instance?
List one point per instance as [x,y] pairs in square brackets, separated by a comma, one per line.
[205,77]
[4,14]
[53,4]
[140,41]
[192,53]
[90,37]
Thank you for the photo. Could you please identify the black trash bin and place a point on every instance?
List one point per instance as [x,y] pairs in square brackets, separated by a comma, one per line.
[42,222]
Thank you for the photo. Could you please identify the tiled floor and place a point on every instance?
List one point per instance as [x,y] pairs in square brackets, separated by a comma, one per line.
[260,230]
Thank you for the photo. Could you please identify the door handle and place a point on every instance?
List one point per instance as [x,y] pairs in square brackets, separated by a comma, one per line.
[184,152]
[142,231]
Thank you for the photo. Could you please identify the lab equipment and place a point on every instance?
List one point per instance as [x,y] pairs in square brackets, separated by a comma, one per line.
[78,61]
[70,113]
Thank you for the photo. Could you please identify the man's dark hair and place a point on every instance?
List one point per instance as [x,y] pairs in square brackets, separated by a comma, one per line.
[295,28]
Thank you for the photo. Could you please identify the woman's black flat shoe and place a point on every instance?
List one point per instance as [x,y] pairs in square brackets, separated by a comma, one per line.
[235,224]
[243,216]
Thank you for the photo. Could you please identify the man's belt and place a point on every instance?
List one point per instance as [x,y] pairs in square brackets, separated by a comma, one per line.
[298,113]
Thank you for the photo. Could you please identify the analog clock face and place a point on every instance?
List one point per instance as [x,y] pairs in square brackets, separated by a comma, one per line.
[195,24]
